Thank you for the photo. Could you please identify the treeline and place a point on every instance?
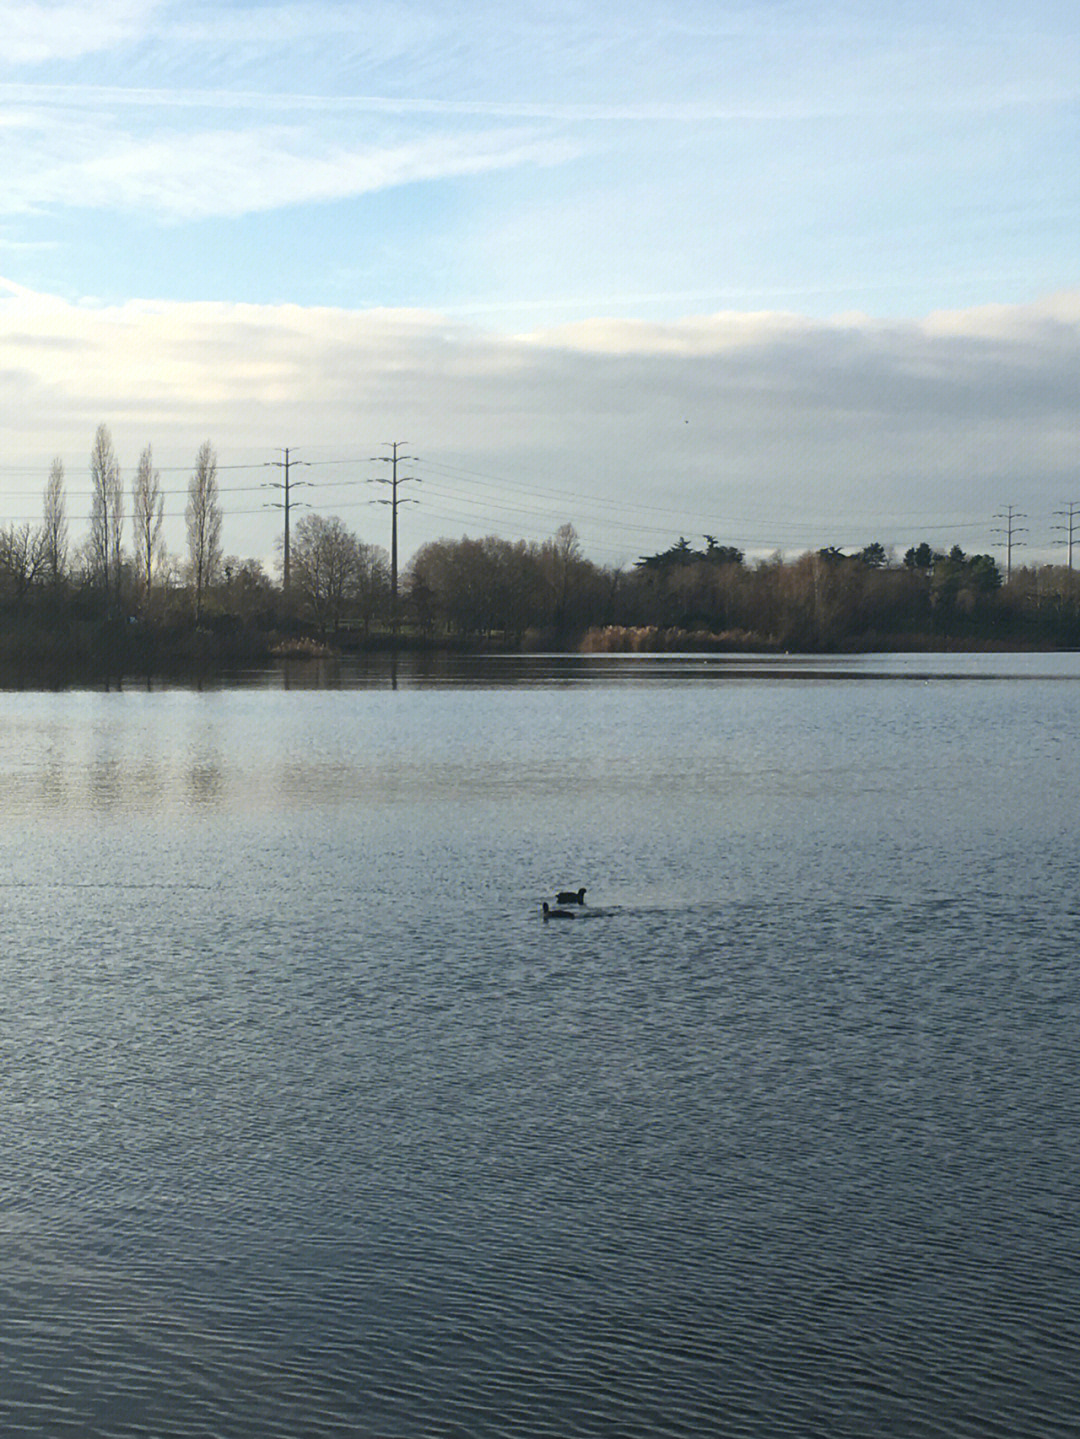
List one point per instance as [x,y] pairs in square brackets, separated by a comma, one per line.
[117,598]
[710,597]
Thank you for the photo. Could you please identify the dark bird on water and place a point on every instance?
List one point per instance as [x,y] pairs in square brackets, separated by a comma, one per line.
[571,896]
[550,913]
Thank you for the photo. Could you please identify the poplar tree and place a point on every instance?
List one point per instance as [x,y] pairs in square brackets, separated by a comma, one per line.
[148,512]
[106,513]
[54,530]
[203,517]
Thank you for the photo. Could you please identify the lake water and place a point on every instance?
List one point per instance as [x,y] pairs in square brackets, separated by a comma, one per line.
[310,1126]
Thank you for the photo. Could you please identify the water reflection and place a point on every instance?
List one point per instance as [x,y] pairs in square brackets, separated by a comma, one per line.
[106,779]
[424,669]
[205,780]
[427,669]
[349,737]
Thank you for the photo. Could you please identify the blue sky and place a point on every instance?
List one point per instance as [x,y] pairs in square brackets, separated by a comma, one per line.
[788,273]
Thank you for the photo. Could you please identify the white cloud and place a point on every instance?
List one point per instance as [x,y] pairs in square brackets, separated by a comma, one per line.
[36,32]
[132,97]
[241,172]
[1056,316]
[67,158]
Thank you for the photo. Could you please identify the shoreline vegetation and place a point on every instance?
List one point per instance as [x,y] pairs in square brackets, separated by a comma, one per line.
[74,633]
[105,610]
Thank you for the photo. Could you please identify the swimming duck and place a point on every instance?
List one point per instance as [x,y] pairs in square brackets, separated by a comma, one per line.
[550,913]
[571,896]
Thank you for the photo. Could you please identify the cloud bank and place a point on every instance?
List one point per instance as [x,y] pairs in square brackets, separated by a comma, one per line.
[768,430]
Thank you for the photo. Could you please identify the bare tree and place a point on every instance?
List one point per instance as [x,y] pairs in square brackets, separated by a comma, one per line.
[324,566]
[203,517]
[148,512]
[483,585]
[106,512]
[371,589]
[22,560]
[54,530]
[565,564]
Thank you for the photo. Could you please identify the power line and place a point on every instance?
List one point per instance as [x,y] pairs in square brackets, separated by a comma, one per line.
[604,504]
[580,496]
[469,495]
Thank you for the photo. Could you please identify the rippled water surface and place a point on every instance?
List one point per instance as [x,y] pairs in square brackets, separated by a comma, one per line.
[310,1126]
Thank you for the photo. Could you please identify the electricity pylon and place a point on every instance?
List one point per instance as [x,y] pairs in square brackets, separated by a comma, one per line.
[393,480]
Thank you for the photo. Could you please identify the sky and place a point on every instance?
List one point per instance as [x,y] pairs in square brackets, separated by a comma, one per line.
[787,274]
